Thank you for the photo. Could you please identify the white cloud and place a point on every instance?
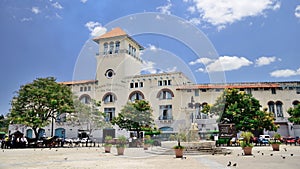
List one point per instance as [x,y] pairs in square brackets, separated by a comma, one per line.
[148,66]
[95,28]
[285,73]
[195,21]
[83,1]
[223,12]
[192,9]
[57,5]
[201,60]
[26,19]
[228,63]
[152,47]
[264,60]
[200,70]
[297,11]
[35,10]
[173,69]
[165,9]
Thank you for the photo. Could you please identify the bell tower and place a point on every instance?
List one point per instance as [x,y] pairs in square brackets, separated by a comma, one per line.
[118,57]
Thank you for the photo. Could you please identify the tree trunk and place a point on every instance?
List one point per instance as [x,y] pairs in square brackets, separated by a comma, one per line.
[35,132]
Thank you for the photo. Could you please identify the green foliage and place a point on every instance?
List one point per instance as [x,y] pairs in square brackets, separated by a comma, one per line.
[37,102]
[276,140]
[121,141]
[242,109]
[178,147]
[4,122]
[135,116]
[246,135]
[108,140]
[295,114]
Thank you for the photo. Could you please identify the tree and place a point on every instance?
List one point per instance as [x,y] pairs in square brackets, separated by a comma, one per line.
[89,115]
[242,109]
[135,116]
[3,123]
[295,114]
[38,102]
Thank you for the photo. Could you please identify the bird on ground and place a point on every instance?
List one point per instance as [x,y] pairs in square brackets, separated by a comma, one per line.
[262,154]
[271,154]
[234,165]
[292,154]
[283,157]
[229,164]
[285,149]
[66,158]
[238,154]
[258,151]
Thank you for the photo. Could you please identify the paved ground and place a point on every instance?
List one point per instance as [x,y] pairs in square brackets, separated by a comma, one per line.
[137,158]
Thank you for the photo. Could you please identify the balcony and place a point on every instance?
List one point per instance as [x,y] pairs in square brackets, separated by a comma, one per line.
[165,119]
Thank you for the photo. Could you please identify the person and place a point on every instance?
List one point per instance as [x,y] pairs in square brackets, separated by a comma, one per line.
[24,141]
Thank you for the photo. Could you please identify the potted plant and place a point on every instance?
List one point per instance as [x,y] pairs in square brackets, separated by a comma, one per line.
[147,142]
[107,145]
[178,150]
[276,142]
[245,144]
[121,144]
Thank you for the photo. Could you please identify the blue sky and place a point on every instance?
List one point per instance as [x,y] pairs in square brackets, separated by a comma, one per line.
[256,40]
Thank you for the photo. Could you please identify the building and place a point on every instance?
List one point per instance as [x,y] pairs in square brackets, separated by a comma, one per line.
[175,100]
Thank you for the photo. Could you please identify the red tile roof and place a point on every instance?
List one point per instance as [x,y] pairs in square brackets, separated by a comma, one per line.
[224,86]
[113,33]
[78,82]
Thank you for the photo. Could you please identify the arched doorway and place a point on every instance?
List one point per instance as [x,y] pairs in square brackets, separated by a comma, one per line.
[41,133]
[60,132]
[29,133]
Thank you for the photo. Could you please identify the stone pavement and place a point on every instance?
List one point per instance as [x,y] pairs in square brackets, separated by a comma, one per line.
[137,158]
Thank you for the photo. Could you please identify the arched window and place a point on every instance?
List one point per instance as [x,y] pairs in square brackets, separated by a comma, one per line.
[279,110]
[295,103]
[105,48]
[109,98]
[136,95]
[117,47]
[165,94]
[86,99]
[271,106]
[111,47]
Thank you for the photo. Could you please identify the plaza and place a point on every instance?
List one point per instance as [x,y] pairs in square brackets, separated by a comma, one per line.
[94,157]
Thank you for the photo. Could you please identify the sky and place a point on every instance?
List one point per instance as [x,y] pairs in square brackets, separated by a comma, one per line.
[240,40]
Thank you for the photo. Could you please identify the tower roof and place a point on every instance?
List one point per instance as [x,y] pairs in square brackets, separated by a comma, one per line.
[113,33]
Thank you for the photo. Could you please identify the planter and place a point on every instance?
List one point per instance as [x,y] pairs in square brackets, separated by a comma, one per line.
[146,146]
[107,149]
[275,147]
[178,153]
[247,150]
[120,150]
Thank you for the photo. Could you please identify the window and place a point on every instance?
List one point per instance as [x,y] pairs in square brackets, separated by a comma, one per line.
[141,84]
[279,109]
[136,95]
[131,85]
[298,90]
[197,92]
[169,82]
[81,89]
[85,88]
[165,112]
[159,83]
[109,98]
[189,90]
[86,99]
[111,47]
[129,49]
[273,91]
[165,95]
[136,84]
[249,91]
[89,88]
[109,73]
[109,114]
[271,107]
[105,47]
[203,90]
[295,103]
[117,47]
[165,83]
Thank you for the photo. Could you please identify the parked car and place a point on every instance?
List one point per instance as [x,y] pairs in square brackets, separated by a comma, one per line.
[263,141]
[84,140]
[290,140]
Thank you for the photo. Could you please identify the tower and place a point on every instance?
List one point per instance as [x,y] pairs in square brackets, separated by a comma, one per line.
[118,57]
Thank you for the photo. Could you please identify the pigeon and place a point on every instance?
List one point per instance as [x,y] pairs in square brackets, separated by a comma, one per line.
[292,154]
[283,157]
[66,158]
[258,151]
[238,154]
[229,164]
[271,154]
[234,165]
[285,149]
[262,154]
